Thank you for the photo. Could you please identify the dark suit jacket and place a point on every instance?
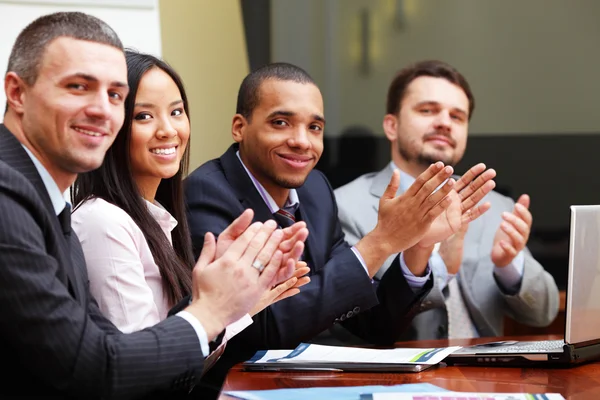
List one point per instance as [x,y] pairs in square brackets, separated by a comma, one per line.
[340,291]
[55,341]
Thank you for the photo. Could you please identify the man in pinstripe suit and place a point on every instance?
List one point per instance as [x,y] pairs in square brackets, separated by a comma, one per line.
[65,86]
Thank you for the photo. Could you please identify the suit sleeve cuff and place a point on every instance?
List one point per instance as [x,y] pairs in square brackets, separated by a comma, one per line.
[202,337]
[416,283]
[509,277]
[361,260]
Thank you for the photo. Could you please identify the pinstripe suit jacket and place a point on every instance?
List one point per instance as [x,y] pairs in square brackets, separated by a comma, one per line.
[54,339]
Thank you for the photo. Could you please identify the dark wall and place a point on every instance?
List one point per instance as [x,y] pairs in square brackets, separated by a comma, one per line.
[257,28]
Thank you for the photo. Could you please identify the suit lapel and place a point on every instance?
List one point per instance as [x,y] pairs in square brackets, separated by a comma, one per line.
[12,152]
[243,186]
[310,252]
[381,182]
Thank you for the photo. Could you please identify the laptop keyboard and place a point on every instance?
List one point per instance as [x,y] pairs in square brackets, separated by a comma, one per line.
[529,347]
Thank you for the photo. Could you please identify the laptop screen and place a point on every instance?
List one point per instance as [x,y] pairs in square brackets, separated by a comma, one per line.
[583,293]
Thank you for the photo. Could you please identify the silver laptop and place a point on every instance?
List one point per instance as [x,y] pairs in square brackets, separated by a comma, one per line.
[582,326]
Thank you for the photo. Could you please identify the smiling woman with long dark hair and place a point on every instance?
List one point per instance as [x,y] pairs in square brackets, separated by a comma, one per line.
[130,213]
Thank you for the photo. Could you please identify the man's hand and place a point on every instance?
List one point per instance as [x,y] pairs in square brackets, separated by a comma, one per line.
[513,233]
[225,289]
[463,208]
[291,246]
[451,250]
[403,220]
[281,291]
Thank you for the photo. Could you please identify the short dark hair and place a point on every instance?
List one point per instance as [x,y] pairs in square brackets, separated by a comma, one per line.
[248,94]
[114,182]
[433,68]
[27,52]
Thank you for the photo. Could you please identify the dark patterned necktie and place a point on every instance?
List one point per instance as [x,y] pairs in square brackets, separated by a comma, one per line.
[284,218]
[65,220]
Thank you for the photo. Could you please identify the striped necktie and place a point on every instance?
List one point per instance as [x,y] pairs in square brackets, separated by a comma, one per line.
[284,218]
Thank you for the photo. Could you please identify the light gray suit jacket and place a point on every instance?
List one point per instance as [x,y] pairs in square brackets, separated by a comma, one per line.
[535,304]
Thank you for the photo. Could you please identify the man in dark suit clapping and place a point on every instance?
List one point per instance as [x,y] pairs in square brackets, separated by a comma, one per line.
[278,130]
[65,86]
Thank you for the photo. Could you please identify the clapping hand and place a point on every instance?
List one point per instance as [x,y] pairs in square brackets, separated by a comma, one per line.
[463,208]
[451,250]
[513,233]
[281,291]
[291,246]
[225,288]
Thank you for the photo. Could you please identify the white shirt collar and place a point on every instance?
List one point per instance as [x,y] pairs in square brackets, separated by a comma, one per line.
[56,197]
[292,201]
[161,215]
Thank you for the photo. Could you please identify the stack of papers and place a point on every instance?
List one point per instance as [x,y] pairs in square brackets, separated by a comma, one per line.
[336,358]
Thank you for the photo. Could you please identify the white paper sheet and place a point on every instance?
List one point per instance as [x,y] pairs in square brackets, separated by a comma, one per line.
[314,353]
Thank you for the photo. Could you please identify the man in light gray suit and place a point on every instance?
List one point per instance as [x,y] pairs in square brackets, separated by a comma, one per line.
[482,272]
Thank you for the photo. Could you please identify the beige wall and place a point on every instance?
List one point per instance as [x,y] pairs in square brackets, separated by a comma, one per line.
[204,41]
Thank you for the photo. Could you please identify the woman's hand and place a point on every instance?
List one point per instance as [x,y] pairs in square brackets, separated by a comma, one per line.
[284,290]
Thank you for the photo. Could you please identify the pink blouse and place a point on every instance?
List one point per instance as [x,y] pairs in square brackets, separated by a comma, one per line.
[124,279]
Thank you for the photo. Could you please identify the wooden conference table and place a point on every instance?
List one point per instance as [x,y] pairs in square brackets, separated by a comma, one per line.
[577,383]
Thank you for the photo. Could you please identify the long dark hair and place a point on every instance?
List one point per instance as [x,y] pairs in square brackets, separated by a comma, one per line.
[114,183]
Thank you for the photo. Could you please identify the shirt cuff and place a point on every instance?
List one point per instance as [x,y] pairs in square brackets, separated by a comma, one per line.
[238,326]
[415,282]
[509,277]
[362,261]
[202,337]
